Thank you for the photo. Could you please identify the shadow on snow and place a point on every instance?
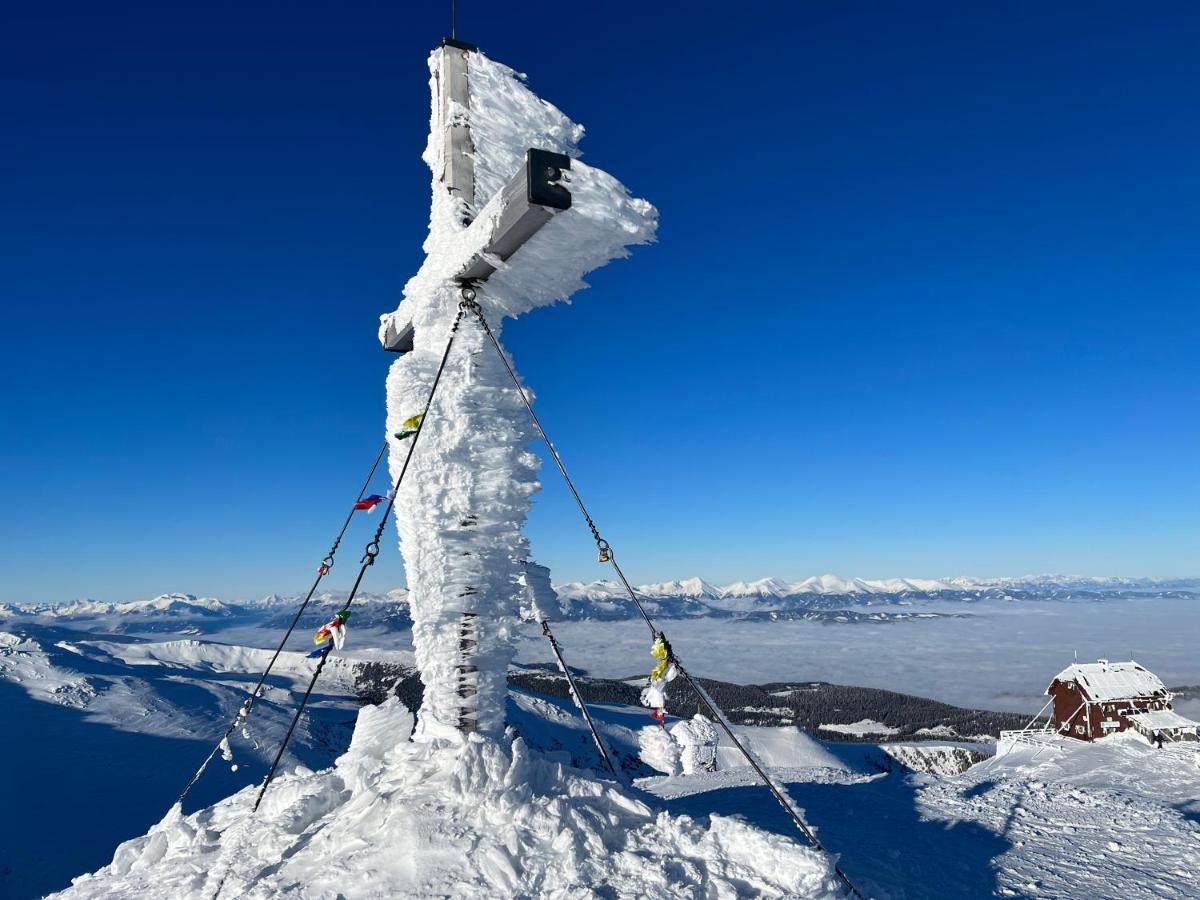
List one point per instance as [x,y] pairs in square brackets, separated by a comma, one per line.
[884,844]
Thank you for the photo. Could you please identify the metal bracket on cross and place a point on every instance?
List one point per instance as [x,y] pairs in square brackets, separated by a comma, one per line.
[532,197]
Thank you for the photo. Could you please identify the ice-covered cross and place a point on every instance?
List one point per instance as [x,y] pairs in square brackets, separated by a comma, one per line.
[516,215]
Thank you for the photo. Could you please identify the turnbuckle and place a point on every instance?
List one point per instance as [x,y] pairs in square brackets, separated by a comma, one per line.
[466,290]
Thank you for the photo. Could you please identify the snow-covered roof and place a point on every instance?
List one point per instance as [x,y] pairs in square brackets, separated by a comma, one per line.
[1106,680]
[1162,720]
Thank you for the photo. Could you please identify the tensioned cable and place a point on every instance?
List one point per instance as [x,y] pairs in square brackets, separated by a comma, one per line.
[579,702]
[607,555]
[326,564]
[368,559]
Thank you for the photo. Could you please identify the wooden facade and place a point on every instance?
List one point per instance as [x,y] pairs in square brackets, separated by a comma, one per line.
[1080,716]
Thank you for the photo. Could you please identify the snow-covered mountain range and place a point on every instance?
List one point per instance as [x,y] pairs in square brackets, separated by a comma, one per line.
[695,597]
[835,584]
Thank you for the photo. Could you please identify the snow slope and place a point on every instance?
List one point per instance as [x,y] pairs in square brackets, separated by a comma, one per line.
[110,730]
[1108,821]
[24,662]
[449,816]
[1116,819]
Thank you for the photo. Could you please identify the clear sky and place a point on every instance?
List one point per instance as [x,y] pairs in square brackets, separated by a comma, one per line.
[924,300]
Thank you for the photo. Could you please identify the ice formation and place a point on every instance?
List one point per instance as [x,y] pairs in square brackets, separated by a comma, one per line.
[697,740]
[658,749]
[468,488]
[456,816]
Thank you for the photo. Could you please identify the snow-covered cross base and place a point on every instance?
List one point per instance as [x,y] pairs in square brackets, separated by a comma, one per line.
[463,816]
[515,214]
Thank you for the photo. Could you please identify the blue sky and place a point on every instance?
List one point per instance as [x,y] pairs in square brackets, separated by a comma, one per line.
[923,303]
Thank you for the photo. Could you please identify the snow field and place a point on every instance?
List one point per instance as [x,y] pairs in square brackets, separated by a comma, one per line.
[448,815]
[1113,819]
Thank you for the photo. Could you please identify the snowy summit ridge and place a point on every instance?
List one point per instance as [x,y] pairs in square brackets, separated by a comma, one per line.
[450,816]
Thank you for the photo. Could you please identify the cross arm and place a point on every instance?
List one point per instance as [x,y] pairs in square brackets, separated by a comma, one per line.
[532,197]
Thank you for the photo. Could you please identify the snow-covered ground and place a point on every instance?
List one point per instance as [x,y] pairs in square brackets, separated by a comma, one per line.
[103,734]
[111,703]
[445,816]
[1115,819]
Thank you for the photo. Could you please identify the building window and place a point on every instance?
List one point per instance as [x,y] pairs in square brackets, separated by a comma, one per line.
[1079,729]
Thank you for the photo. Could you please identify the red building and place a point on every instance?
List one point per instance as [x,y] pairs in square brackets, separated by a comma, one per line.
[1092,700]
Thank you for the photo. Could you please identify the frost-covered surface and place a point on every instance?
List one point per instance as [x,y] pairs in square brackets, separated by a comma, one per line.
[450,816]
[467,492]
[1161,720]
[658,750]
[1023,823]
[779,747]
[697,738]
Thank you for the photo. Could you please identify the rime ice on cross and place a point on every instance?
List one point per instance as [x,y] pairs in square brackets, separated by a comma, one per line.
[516,215]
